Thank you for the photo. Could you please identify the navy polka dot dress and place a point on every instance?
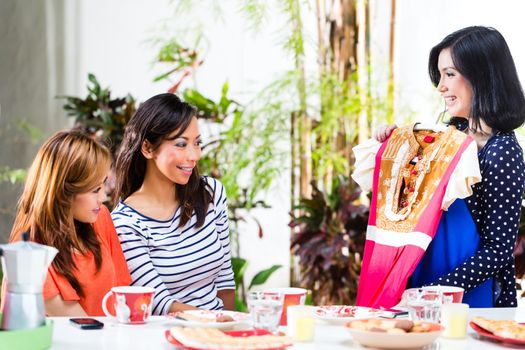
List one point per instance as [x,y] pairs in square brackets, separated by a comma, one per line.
[495,206]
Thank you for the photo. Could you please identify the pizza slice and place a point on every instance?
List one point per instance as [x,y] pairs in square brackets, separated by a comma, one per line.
[210,338]
[492,325]
[502,328]
[512,332]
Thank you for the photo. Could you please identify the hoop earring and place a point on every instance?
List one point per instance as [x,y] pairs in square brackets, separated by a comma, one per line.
[441,115]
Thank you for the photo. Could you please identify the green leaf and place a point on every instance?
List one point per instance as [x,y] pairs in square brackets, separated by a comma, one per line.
[12,176]
[239,267]
[240,305]
[225,88]
[95,90]
[309,299]
[206,107]
[224,102]
[93,79]
[263,275]
[35,134]
[165,75]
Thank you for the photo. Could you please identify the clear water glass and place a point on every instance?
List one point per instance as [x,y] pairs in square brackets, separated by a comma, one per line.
[265,309]
[424,305]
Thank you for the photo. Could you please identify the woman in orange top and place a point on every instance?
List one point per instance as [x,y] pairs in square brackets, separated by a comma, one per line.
[61,206]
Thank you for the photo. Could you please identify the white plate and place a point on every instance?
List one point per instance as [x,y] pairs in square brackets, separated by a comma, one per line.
[211,315]
[340,314]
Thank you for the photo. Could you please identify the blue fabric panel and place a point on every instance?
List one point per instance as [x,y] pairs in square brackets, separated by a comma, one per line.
[455,241]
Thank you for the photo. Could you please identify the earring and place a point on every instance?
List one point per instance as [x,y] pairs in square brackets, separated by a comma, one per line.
[441,115]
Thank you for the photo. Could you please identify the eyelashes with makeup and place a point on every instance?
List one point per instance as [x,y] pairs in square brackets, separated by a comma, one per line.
[184,144]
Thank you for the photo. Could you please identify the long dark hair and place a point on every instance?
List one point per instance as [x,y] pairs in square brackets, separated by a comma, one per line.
[154,121]
[67,164]
[483,57]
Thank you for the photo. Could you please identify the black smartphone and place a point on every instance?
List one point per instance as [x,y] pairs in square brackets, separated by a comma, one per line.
[86,323]
[393,313]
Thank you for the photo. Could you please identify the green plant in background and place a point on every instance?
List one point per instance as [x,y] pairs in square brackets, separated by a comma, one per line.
[12,176]
[333,109]
[18,175]
[179,59]
[330,233]
[239,267]
[100,115]
[322,114]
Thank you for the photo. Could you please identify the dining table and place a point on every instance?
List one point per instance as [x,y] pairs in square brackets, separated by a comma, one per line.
[151,335]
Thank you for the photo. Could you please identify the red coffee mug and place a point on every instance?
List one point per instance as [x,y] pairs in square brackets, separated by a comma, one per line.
[292,296]
[450,293]
[132,304]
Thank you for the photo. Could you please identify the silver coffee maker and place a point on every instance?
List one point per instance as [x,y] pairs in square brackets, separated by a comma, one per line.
[25,265]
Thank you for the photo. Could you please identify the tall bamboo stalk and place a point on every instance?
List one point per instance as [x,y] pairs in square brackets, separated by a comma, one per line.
[391,105]
[321,39]
[304,121]
[348,51]
[362,68]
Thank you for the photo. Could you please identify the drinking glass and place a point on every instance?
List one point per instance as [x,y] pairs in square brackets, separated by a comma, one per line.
[292,296]
[301,323]
[423,304]
[454,318]
[265,309]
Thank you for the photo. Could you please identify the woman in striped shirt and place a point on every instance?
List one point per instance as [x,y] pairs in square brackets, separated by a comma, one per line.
[172,223]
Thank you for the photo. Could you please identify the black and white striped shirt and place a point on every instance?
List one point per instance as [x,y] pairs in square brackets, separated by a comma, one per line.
[183,264]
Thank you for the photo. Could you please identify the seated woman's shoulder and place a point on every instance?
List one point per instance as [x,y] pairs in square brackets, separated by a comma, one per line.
[212,182]
[215,187]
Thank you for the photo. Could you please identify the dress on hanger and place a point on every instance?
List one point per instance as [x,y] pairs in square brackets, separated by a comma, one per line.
[413,177]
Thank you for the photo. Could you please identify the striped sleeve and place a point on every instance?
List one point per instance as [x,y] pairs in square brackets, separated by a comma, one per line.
[134,242]
[225,278]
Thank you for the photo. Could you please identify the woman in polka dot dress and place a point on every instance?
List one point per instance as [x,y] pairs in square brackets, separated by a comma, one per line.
[474,71]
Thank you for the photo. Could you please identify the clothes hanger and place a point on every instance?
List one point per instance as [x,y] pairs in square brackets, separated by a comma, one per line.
[429,126]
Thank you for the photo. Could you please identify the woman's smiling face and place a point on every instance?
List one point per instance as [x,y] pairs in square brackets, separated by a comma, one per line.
[86,206]
[175,158]
[454,88]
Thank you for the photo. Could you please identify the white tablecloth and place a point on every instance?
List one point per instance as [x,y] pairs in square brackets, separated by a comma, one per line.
[327,337]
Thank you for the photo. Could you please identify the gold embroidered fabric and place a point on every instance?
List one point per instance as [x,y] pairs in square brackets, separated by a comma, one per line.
[412,166]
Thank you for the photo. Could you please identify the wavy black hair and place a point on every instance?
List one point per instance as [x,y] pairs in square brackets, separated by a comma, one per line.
[483,57]
[154,121]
